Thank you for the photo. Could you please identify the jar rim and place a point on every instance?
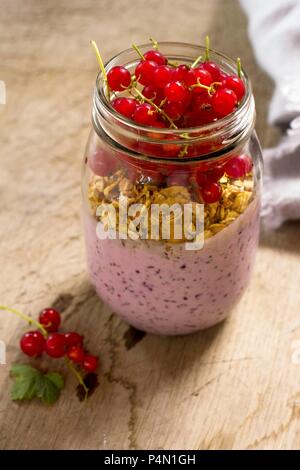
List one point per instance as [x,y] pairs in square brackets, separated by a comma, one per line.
[224,121]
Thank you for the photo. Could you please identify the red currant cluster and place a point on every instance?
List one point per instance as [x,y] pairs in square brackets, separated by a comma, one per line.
[174,96]
[166,95]
[55,344]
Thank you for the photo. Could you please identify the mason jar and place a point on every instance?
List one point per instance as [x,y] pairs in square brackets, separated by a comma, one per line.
[171,285]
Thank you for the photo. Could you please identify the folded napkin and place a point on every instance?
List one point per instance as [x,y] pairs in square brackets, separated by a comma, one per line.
[274,29]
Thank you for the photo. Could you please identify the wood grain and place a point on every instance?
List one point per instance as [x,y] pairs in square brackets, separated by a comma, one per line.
[232,387]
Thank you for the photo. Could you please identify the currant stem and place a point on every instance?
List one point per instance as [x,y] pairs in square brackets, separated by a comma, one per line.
[100,62]
[77,375]
[239,67]
[207,47]
[158,109]
[29,320]
[196,62]
[154,43]
[135,47]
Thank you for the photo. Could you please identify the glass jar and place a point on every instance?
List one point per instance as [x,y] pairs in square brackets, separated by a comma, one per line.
[164,285]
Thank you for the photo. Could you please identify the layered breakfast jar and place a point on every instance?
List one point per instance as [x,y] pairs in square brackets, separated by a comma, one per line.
[202,152]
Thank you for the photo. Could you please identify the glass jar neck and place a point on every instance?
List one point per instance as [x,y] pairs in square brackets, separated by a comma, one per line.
[211,141]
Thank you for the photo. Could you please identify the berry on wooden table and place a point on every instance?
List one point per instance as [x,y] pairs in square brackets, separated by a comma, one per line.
[32,343]
[50,319]
[73,339]
[76,354]
[55,345]
[90,363]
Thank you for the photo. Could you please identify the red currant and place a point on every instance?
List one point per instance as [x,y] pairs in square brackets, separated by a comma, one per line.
[171,149]
[174,110]
[32,343]
[102,164]
[235,84]
[211,192]
[162,75]
[213,69]
[125,106]
[154,94]
[179,73]
[175,91]
[216,173]
[196,76]
[144,71]
[224,101]
[236,167]
[50,319]
[55,345]
[145,114]
[73,339]
[155,56]
[201,178]
[76,354]
[118,78]
[248,162]
[90,363]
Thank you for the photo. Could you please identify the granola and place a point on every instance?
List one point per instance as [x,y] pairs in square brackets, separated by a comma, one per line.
[236,196]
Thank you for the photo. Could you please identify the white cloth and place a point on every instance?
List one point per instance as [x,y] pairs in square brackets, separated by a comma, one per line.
[274,29]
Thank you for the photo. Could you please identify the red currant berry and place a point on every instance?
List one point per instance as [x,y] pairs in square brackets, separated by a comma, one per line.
[55,345]
[118,78]
[213,69]
[179,73]
[248,162]
[236,167]
[162,75]
[102,164]
[144,71]
[73,339]
[224,101]
[90,363]
[174,110]
[32,343]
[155,56]
[211,192]
[175,91]
[125,106]
[201,178]
[171,150]
[216,173]
[196,76]
[50,319]
[145,114]
[235,84]
[76,354]
[154,94]
[177,179]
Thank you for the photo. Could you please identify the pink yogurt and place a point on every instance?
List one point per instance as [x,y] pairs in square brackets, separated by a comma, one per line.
[164,289]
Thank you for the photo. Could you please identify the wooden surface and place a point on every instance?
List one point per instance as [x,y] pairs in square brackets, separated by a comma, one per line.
[234,386]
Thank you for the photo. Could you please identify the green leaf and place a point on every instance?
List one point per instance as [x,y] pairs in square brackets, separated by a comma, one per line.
[30,383]
[56,378]
[24,385]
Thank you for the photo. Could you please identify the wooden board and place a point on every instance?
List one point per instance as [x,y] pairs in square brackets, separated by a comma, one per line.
[234,386]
